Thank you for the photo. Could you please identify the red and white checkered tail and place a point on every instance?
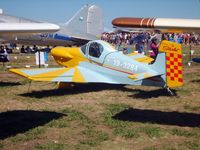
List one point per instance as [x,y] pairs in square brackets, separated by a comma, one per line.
[174,76]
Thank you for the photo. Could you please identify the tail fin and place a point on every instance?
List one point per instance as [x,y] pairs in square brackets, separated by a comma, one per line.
[174,77]
[87,22]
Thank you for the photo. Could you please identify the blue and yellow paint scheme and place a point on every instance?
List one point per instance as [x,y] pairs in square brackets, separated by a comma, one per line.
[99,62]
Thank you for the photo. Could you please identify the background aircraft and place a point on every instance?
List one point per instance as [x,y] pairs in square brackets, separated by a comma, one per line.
[21,27]
[85,25]
[10,28]
[162,24]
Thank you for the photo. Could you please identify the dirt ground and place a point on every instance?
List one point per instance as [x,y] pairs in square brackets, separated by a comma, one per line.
[37,115]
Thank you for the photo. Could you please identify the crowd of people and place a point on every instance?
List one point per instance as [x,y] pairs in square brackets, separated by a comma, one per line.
[5,49]
[124,40]
[131,38]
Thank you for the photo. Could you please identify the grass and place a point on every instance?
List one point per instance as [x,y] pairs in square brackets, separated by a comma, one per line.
[151,132]
[61,123]
[185,133]
[99,116]
[125,128]
[126,133]
[112,110]
[190,145]
[150,148]
[1,144]
[192,108]
[30,135]
[94,137]
[120,128]
[50,146]
[72,116]
[78,116]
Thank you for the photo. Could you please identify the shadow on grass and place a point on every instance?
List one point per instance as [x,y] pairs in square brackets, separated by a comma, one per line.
[20,121]
[152,94]
[159,117]
[195,81]
[3,84]
[93,87]
[77,89]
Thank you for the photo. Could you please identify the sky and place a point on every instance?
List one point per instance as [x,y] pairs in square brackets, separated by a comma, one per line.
[60,11]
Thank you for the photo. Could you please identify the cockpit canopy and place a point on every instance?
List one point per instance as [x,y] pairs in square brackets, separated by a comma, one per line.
[96,48]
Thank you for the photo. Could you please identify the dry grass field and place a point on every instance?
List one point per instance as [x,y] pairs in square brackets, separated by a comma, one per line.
[98,116]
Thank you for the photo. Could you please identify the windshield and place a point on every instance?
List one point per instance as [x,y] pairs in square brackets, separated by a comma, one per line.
[95,49]
[83,48]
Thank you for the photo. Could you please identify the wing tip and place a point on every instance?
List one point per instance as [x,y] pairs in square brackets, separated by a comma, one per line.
[18,72]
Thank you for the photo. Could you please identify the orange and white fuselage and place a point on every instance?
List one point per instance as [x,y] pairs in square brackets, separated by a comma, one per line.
[158,23]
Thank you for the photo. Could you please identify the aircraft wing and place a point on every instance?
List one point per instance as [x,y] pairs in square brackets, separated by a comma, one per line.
[85,72]
[49,74]
[27,27]
[163,24]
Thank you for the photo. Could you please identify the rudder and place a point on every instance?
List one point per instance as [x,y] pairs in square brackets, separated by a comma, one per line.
[174,74]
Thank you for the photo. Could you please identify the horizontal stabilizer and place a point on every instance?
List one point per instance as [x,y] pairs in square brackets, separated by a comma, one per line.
[140,58]
[141,76]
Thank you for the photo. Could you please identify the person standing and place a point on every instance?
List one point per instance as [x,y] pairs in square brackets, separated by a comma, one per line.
[140,41]
[154,47]
[3,54]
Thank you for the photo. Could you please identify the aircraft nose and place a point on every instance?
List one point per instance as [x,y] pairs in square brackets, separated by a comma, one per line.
[61,52]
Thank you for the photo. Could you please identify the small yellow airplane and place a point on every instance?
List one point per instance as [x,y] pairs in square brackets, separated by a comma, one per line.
[99,62]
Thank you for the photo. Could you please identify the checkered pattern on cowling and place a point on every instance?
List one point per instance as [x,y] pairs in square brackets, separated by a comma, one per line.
[174,67]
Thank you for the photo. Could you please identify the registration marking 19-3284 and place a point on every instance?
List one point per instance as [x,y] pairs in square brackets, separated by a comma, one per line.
[125,65]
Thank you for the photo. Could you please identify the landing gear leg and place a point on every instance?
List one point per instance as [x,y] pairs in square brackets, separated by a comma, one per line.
[29,85]
[170,92]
